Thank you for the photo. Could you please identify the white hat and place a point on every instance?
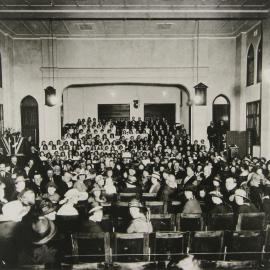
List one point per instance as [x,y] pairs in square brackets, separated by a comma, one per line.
[73,192]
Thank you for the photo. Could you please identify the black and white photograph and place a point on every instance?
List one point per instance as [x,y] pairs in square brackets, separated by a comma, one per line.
[135,134]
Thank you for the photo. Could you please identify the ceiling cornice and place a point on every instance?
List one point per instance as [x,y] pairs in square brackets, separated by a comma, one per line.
[132,13]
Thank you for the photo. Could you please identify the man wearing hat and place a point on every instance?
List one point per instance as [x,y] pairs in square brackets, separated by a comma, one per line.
[33,245]
[140,218]
[243,203]
[219,207]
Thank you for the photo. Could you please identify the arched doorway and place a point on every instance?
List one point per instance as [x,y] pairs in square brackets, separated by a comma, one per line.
[221,111]
[29,118]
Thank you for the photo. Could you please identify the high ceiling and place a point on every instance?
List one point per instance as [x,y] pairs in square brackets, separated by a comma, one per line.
[124,28]
[129,18]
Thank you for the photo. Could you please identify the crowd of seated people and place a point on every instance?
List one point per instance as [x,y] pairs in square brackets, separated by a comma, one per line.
[79,175]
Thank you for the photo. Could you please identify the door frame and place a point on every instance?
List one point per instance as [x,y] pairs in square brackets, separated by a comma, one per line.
[36,139]
[228,103]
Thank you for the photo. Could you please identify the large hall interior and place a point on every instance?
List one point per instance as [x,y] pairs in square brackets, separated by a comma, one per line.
[134,134]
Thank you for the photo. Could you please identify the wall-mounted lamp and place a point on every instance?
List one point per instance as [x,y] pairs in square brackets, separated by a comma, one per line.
[50,96]
[200,98]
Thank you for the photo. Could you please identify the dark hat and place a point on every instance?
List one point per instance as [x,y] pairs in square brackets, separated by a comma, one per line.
[217,178]
[46,207]
[43,231]
[51,184]
[92,171]
[191,188]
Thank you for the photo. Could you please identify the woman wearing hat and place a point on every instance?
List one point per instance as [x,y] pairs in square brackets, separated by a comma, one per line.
[192,205]
[140,218]
[79,185]
[155,179]
[72,196]
[47,209]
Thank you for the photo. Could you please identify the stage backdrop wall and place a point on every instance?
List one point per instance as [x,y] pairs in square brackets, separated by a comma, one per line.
[81,102]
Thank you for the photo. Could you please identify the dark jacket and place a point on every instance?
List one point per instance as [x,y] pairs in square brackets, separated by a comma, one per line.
[90,226]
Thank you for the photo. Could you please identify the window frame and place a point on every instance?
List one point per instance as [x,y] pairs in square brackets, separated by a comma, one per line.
[259,62]
[253,120]
[250,65]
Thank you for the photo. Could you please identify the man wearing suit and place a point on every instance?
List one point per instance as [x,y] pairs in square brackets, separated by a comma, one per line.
[5,178]
[14,168]
[212,134]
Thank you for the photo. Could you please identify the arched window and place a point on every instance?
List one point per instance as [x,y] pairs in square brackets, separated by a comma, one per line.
[250,65]
[259,63]
[1,84]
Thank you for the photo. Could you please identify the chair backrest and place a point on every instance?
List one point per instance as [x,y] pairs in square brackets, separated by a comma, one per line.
[121,224]
[107,224]
[207,245]
[149,196]
[126,197]
[93,247]
[64,246]
[189,222]
[244,245]
[174,207]
[221,222]
[67,224]
[251,221]
[130,247]
[156,207]
[120,209]
[163,222]
[267,243]
[168,245]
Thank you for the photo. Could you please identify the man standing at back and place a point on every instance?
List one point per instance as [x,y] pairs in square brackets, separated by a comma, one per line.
[212,134]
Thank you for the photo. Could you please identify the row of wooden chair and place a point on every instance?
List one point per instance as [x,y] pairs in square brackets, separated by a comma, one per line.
[163,246]
[180,222]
